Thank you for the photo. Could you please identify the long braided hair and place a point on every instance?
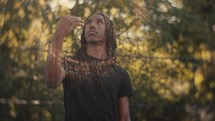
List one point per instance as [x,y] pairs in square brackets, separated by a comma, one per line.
[109,33]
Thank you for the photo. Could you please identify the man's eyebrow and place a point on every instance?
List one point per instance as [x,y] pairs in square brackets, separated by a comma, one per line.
[88,20]
[100,18]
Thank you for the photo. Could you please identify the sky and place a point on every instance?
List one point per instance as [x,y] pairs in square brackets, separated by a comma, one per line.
[65,3]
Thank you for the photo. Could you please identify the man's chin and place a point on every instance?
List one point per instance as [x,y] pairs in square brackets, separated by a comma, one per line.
[94,42]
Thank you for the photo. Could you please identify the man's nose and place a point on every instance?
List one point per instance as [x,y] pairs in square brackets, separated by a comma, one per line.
[92,25]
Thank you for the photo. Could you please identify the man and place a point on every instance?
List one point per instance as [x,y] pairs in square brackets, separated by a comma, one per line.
[95,88]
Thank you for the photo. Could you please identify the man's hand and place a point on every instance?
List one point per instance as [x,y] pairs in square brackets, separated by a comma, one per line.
[66,24]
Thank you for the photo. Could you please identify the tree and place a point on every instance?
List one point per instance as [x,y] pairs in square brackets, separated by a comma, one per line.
[167,47]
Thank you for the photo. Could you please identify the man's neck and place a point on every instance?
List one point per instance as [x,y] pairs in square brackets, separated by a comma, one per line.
[97,50]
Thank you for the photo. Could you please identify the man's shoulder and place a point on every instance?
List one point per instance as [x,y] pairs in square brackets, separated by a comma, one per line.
[69,57]
[121,69]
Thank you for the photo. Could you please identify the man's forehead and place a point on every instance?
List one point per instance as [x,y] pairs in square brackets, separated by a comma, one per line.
[95,16]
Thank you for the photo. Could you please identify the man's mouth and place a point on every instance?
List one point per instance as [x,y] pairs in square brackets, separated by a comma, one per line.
[92,32]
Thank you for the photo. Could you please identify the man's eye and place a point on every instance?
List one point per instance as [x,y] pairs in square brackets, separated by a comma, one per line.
[100,22]
[88,22]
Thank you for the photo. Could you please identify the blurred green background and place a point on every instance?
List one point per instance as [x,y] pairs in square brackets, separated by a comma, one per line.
[167,46]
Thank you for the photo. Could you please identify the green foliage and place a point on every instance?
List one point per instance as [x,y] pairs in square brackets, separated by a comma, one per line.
[167,47]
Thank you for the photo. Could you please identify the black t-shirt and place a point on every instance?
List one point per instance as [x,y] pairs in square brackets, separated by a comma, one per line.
[92,88]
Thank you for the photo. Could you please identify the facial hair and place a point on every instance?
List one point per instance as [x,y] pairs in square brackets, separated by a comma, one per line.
[94,42]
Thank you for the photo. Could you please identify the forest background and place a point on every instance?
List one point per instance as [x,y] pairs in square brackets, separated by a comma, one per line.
[167,46]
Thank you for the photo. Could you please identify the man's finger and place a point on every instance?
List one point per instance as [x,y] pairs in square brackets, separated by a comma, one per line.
[76,24]
[74,19]
[79,23]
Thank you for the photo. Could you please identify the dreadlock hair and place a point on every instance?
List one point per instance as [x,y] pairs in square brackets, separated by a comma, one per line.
[109,34]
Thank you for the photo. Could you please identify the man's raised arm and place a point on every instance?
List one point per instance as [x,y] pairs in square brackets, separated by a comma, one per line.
[54,71]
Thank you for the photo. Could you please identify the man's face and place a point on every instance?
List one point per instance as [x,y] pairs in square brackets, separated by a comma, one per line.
[95,29]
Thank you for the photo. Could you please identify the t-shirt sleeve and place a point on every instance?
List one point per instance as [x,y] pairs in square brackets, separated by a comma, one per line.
[68,63]
[65,63]
[125,87]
